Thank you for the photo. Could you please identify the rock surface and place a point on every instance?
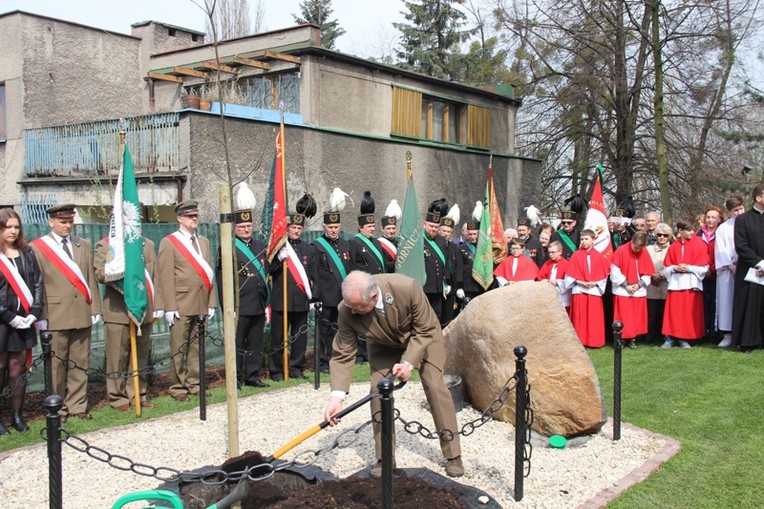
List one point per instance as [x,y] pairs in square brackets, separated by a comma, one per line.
[565,392]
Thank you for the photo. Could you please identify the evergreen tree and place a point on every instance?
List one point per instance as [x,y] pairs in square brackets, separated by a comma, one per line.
[318,13]
[432,36]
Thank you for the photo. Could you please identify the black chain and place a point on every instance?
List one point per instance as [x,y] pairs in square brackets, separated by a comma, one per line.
[529,416]
[212,476]
[417,428]
[219,342]
[22,380]
[182,351]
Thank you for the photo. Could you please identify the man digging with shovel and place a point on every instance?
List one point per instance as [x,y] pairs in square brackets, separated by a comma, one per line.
[401,331]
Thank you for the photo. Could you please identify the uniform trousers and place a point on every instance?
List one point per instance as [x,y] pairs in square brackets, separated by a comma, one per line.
[327,327]
[70,379]
[381,360]
[249,347]
[120,390]
[184,349]
[298,341]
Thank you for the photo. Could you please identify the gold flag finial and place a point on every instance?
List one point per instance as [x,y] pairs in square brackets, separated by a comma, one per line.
[409,171]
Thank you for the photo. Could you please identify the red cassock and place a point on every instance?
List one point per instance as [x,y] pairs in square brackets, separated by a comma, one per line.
[586,310]
[545,273]
[526,270]
[683,314]
[631,310]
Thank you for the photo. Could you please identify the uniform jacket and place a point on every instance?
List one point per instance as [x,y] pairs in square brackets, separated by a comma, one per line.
[296,300]
[65,307]
[434,267]
[367,261]
[454,274]
[253,290]
[181,287]
[411,319]
[575,236]
[328,281]
[113,302]
[32,275]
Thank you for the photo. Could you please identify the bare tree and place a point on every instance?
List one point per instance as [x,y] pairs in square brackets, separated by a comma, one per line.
[229,18]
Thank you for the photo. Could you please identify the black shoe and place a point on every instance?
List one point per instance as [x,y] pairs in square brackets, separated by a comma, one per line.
[18,422]
[4,430]
[298,374]
[277,378]
[256,383]
[323,369]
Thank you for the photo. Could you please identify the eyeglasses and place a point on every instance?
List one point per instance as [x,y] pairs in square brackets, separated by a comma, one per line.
[662,235]
[245,226]
[567,222]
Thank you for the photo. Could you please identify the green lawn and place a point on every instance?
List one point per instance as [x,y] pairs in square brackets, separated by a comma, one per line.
[712,401]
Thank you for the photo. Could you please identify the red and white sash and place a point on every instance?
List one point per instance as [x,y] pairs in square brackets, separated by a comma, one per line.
[18,284]
[389,247]
[199,264]
[297,270]
[56,255]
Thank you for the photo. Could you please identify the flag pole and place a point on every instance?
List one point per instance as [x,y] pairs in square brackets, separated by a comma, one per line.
[133,341]
[285,277]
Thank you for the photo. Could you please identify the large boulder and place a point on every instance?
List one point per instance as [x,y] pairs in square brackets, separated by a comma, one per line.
[565,392]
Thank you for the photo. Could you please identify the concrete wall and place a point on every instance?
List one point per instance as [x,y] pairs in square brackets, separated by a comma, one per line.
[317,161]
[340,95]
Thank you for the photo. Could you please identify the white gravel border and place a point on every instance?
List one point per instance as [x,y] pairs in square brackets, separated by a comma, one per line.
[572,477]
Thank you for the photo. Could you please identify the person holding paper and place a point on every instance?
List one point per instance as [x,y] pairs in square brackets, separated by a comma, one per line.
[748,304]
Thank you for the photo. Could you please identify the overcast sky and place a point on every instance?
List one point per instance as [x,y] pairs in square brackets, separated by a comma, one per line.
[368,22]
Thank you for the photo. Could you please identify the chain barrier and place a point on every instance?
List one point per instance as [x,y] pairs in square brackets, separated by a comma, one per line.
[417,428]
[22,380]
[291,338]
[214,476]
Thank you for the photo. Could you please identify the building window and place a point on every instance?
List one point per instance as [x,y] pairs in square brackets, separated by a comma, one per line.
[268,92]
[437,119]
[3,132]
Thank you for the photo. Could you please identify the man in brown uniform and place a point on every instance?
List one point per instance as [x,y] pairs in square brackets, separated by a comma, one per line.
[402,333]
[72,306]
[120,390]
[186,282]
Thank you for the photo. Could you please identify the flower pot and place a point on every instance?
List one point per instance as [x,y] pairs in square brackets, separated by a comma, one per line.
[190,101]
[205,103]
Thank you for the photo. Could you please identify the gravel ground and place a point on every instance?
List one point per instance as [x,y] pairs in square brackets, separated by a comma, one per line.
[586,475]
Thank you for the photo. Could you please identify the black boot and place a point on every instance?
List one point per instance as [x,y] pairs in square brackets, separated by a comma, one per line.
[17,421]
[3,429]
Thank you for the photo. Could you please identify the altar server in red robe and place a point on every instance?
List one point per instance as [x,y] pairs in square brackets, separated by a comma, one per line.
[587,276]
[685,266]
[517,267]
[630,271]
[554,270]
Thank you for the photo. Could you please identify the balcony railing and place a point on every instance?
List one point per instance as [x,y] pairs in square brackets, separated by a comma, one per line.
[91,149]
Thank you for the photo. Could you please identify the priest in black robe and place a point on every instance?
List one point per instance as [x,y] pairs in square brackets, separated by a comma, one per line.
[748,304]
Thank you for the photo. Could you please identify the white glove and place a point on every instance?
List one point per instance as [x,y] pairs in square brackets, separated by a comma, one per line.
[210,313]
[283,253]
[41,325]
[19,323]
[158,313]
[460,294]
[171,316]
[94,319]
[30,319]
[501,281]
[314,305]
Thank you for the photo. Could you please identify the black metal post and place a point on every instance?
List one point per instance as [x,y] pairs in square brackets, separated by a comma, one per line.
[617,354]
[316,342]
[202,319]
[55,494]
[47,355]
[385,387]
[520,409]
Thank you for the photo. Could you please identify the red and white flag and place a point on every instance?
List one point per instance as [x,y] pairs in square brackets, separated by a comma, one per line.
[596,218]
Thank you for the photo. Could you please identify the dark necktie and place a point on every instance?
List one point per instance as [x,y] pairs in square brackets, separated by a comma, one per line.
[382,319]
[195,244]
[65,245]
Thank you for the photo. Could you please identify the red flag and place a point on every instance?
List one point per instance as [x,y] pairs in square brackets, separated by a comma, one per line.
[498,241]
[596,220]
[279,216]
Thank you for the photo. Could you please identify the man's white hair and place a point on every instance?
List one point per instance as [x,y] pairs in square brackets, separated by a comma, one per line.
[360,282]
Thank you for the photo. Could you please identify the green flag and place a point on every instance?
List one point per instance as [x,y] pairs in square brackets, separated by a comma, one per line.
[125,265]
[410,259]
[482,266]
